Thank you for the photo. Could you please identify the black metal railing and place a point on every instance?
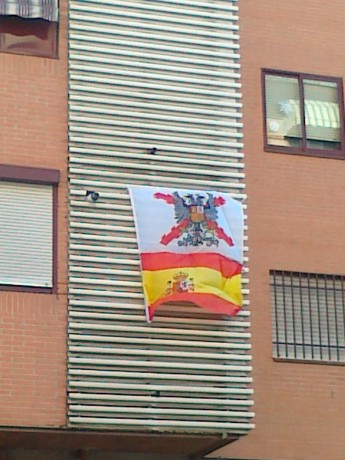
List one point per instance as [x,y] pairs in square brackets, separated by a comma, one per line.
[308,316]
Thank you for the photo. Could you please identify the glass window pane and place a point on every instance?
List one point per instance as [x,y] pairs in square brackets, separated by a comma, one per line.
[283,113]
[322,116]
[31,36]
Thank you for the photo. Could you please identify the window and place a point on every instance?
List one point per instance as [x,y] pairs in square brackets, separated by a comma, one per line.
[303,114]
[28,208]
[29,27]
[308,314]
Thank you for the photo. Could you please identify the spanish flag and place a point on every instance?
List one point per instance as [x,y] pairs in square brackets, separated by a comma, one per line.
[191,248]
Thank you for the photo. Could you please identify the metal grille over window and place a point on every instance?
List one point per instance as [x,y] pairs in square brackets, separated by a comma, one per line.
[308,316]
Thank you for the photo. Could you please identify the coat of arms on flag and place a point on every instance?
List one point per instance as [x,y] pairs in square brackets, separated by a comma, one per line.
[190,245]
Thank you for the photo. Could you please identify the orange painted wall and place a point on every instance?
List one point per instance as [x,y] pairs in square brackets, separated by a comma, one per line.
[33,132]
[296,222]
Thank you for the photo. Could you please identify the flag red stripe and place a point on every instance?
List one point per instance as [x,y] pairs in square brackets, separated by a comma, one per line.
[164,260]
[210,302]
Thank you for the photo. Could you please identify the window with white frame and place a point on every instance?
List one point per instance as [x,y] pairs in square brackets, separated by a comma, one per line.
[27,234]
[308,316]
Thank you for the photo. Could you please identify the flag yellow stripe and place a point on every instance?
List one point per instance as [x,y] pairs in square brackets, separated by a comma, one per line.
[159,284]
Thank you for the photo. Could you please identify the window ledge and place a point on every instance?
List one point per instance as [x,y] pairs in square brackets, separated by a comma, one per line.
[308,361]
[329,154]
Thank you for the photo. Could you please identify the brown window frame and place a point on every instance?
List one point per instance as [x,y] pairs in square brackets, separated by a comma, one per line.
[304,150]
[49,177]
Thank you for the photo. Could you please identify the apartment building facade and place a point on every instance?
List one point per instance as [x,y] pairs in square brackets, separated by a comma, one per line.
[100,96]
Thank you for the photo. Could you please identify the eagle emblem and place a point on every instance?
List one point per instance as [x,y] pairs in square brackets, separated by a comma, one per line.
[196,216]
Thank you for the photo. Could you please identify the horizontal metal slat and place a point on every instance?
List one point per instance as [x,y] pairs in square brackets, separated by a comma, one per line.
[238,321]
[151,387]
[158,158]
[214,322]
[103,112]
[93,104]
[107,293]
[153,364]
[99,350]
[101,238]
[230,154]
[101,215]
[212,9]
[204,5]
[151,126]
[104,271]
[115,189]
[100,283]
[80,205]
[230,334]
[128,375]
[148,399]
[99,227]
[99,136]
[146,411]
[87,184]
[105,137]
[159,330]
[178,181]
[103,64]
[106,350]
[162,423]
[153,165]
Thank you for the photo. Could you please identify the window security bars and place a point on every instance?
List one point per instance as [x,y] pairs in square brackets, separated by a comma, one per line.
[308,316]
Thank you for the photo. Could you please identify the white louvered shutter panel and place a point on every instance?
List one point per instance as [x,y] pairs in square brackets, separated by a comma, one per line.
[26,234]
[158,74]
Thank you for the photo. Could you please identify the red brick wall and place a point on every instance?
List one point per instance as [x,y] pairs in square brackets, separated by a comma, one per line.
[296,222]
[33,132]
